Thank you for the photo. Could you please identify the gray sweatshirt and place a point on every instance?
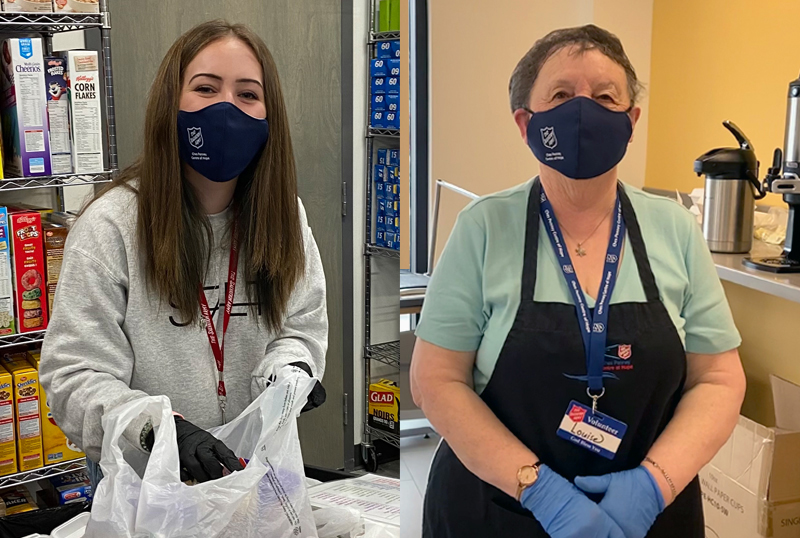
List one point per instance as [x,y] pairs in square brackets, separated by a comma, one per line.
[111,340]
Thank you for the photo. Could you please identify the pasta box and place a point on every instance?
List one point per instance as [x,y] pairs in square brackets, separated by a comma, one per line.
[384,406]
[27,250]
[69,488]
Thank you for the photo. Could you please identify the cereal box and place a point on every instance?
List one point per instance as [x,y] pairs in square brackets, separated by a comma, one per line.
[16,501]
[29,270]
[26,137]
[56,447]
[27,414]
[55,79]
[85,116]
[6,278]
[28,5]
[8,445]
[55,237]
[384,406]
[77,6]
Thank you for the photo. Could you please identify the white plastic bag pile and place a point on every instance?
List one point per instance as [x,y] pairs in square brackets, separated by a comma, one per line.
[268,499]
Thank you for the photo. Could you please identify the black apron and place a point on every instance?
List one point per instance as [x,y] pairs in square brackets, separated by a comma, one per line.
[529,393]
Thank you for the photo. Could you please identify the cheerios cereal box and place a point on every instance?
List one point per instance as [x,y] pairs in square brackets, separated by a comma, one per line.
[8,445]
[6,278]
[57,448]
[27,249]
[27,411]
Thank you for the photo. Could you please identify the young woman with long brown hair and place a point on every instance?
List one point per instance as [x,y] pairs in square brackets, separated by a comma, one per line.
[195,275]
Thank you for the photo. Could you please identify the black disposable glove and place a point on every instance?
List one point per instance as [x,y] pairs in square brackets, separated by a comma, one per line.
[201,454]
[318,395]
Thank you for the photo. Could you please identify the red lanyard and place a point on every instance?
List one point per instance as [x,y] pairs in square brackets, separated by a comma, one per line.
[211,332]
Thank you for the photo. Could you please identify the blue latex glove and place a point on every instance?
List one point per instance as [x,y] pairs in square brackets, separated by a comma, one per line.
[564,511]
[632,498]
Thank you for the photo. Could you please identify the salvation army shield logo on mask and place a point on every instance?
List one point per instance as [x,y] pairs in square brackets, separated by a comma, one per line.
[195,137]
[549,137]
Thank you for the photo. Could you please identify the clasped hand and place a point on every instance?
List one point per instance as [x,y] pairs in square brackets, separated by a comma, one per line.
[631,502]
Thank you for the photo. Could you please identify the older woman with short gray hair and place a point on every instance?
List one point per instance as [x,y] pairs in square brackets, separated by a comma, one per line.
[576,350]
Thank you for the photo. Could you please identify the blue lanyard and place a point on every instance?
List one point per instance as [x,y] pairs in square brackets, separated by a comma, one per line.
[594,328]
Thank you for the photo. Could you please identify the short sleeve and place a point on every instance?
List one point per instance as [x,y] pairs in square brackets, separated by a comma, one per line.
[709,323]
[453,313]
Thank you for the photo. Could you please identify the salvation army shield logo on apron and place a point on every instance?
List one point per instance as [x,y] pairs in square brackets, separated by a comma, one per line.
[549,137]
[195,137]
[624,351]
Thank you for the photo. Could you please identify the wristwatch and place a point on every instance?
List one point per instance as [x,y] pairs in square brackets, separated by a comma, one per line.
[526,477]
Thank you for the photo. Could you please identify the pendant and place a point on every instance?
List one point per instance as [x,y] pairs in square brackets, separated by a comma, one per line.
[579,251]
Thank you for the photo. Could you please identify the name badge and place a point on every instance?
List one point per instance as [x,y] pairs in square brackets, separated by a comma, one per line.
[596,432]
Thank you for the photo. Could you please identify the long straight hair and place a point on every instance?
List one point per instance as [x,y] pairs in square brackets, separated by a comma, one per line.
[174,234]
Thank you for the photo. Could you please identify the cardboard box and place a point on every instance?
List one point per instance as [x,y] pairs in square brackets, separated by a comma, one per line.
[378,101]
[393,157]
[392,102]
[382,156]
[85,111]
[380,174]
[393,225]
[394,15]
[378,120]
[393,175]
[68,488]
[379,67]
[385,50]
[55,237]
[26,137]
[384,13]
[29,271]
[752,486]
[8,444]
[56,448]
[16,501]
[378,85]
[389,208]
[55,79]
[384,408]
[27,414]
[393,67]
[6,278]
[393,85]
[395,48]
[76,6]
[392,120]
[28,5]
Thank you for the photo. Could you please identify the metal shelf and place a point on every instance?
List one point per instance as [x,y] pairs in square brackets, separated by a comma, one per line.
[387,353]
[383,133]
[50,22]
[381,252]
[391,438]
[44,472]
[376,37]
[34,337]
[20,183]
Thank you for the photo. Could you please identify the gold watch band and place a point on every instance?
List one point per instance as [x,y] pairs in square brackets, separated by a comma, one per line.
[524,483]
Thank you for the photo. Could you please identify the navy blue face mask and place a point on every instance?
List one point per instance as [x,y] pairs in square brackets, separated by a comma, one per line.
[581,138]
[220,141]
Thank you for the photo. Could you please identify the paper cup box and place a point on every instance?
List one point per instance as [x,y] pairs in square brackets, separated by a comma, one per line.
[28,5]
[29,271]
[76,6]
[26,132]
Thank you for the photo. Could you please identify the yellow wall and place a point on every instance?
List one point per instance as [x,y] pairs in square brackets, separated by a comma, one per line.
[475,143]
[715,60]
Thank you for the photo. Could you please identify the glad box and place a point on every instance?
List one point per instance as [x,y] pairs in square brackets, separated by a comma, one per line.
[384,406]
[26,138]
[751,488]
[85,116]
[29,270]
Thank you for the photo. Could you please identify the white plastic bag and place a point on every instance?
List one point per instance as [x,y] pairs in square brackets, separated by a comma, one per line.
[334,522]
[267,499]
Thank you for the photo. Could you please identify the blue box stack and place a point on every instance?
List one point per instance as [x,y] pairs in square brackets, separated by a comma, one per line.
[385,87]
[387,194]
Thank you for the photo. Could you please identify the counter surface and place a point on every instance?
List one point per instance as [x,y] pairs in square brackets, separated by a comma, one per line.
[730,268]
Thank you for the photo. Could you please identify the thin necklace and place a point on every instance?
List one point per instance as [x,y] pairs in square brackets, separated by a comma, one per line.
[579,250]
